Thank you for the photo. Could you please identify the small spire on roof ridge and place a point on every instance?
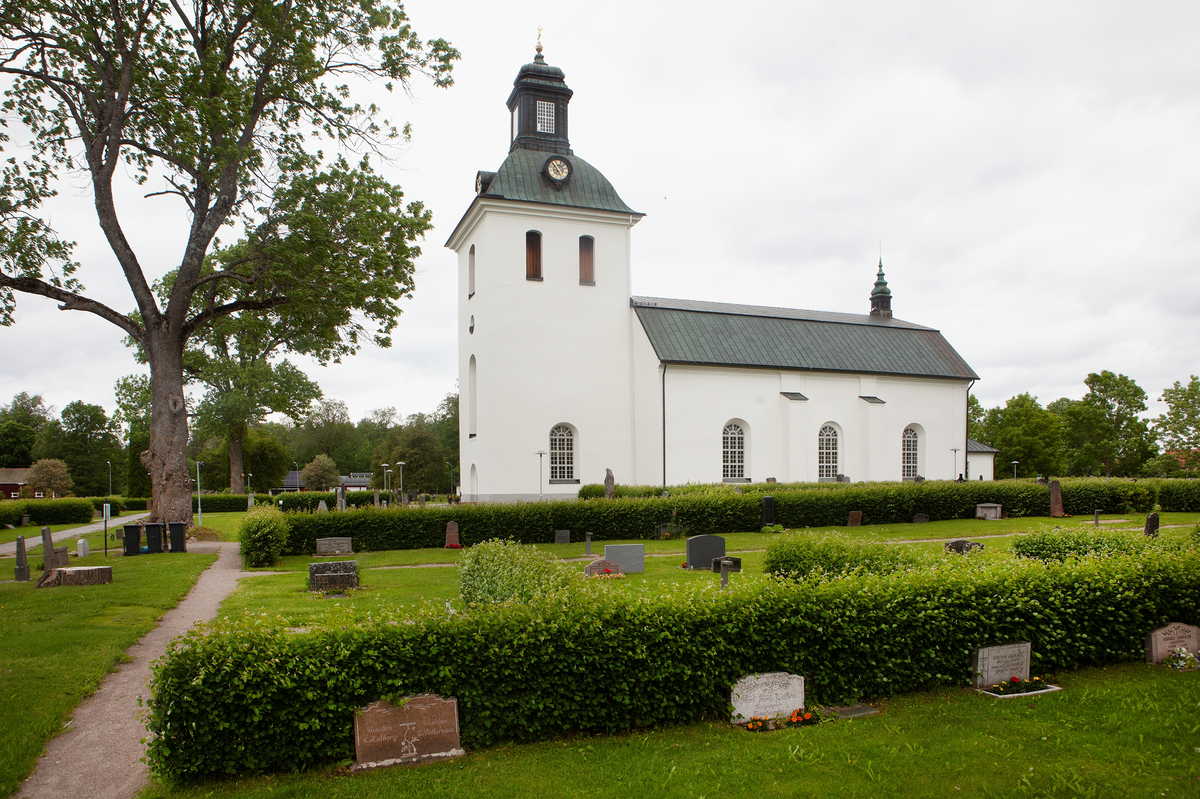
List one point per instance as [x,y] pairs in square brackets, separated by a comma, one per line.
[539,57]
[881,286]
[881,296]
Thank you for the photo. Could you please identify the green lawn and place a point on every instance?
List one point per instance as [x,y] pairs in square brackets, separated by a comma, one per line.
[57,644]
[1128,731]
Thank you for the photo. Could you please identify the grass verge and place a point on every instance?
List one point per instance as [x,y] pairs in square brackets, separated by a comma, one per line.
[56,645]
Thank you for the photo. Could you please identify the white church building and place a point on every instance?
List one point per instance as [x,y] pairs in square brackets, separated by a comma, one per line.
[564,373]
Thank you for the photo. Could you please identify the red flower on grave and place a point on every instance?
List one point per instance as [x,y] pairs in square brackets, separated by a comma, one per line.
[1016,680]
[608,571]
[683,565]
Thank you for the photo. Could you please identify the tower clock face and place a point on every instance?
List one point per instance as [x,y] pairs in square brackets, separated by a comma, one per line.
[559,169]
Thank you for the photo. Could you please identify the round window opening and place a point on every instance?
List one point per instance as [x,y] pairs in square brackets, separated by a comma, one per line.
[471,328]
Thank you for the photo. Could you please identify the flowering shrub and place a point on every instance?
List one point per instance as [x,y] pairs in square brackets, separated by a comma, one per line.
[497,571]
[803,718]
[1180,658]
[1016,685]
[263,534]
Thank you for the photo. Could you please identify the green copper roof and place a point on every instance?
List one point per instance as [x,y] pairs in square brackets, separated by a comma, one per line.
[722,334]
[881,286]
[520,178]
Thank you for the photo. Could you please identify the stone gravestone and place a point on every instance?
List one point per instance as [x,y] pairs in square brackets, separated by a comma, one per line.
[774,693]
[82,548]
[771,481]
[997,664]
[921,518]
[321,507]
[738,491]
[22,561]
[562,536]
[587,543]
[52,558]
[701,549]
[335,546]
[452,535]
[81,575]
[1056,504]
[987,510]
[855,519]
[1152,525]
[602,566]
[377,497]
[735,565]
[341,498]
[610,485]
[768,511]
[420,729]
[421,500]
[918,479]
[963,547]
[632,557]
[334,575]
[1165,640]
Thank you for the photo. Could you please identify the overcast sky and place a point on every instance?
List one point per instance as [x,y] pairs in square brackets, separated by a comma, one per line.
[1031,169]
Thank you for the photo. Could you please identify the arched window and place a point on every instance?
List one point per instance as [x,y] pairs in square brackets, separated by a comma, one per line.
[533,255]
[562,453]
[471,273]
[587,262]
[908,454]
[472,402]
[733,452]
[827,454]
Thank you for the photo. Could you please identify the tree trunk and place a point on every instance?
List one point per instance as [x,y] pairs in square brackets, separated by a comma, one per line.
[236,484]
[166,459]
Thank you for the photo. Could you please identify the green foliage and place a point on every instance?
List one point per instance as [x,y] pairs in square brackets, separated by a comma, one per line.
[263,534]
[116,505]
[1179,427]
[321,474]
[55,511]
[50,476]
[1024,431]
[11,510]
[499,571]
[529,671]
[1055,544]
[228,503]
[87,441]
[16,444]
[797,555]
[419,447]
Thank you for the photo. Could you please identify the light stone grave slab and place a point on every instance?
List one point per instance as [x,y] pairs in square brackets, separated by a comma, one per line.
[997,664]
[1165,640]
[419,729]
[335,546]
[82,548]
[988,510]
[632,557]
[766,695]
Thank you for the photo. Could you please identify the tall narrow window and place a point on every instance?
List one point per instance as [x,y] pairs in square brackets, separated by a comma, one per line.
[471,273]
[908,469]
[472,402]
[533,255]
[545,117]
[562,453]
[827,454]
[733,452]
[587,252]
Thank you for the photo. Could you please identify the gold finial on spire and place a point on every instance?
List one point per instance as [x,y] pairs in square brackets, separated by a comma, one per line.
[539,41]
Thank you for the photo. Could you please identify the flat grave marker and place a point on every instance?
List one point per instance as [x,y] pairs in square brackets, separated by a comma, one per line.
[997,664]
[1165,640]
[773,693]
[988,510]
[419,729]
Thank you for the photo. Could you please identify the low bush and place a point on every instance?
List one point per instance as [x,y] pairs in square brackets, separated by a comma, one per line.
[1055,544]
[248,695]
[797,555]
[263,534]
[116,505]
[136,503]
[499,571]
[59,511]
[11,510]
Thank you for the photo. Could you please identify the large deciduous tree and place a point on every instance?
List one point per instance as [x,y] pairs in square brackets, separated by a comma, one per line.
[219,100]
[1026,432]
[87,440]
[1103,432]
[1179,427]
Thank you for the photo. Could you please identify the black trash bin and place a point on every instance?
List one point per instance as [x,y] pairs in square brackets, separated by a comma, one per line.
[178,531]
[133,539]
[154,538]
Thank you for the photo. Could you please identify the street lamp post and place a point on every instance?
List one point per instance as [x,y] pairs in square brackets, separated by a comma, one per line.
[401,465]
[296,485]
[955,451]
[451,489]
[110,478]
[540,453]
[1015,469]
[199,505]
[249,475]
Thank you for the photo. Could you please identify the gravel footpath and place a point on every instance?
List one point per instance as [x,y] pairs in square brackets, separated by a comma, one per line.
[100,754]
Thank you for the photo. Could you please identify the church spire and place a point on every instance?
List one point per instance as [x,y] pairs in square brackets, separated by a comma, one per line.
[881,296]
[538,105]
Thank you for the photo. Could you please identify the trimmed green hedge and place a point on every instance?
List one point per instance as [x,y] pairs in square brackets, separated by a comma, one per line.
[244,695]
[1059,544]
[72,510]
[308,500]
[136,503]
[796,555]
[117,504]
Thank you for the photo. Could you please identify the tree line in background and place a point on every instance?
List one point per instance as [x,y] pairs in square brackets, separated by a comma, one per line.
[1105,434]
[87,441]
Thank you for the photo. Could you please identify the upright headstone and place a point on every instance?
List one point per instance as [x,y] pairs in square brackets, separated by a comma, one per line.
[701,549]
[920,479]
[333,575]
[737,490]
[666,495]
[421,499]
[997,664]
[249,502]
[774,693]
[1056,503]
[841,478]
[855,519]
[988,510]
[335,546]
[47,544]
[377,497]
[768,511]
[610,485]
[22,561]
[562,536]
[632,557]
[82,548]
[419,729]
[322,507]
[587,543]
[452,535]
[921,518]
[341,498]
[1096,518]
[600,567]
[1152,525]
[1165,640]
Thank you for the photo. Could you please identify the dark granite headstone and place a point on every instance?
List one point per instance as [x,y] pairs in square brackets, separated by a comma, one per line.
[963,547]
[22,561]
[562,536]
[601,566]
[841,478]
[1152,525]
[419,729]
[1056,503]
[701,549]
[855,519]
[333,575]
[768,511]
[921,518]
[452,535]
[735,564]
[610,485]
